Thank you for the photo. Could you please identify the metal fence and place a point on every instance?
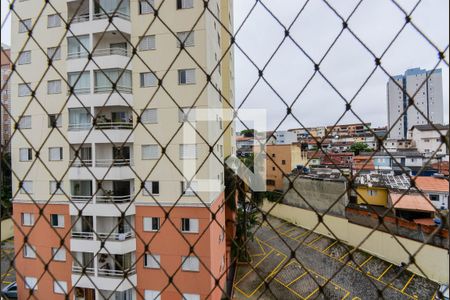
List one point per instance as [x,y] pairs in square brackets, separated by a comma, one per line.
[268,259]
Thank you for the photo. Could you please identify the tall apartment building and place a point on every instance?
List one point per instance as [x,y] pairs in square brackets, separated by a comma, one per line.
[5,119]
[107,180]
[428,97]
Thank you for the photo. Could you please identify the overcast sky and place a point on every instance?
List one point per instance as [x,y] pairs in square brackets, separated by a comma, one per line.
[346,66]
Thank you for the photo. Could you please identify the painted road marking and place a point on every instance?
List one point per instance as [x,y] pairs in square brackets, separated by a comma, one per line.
[385,271]
[407,283]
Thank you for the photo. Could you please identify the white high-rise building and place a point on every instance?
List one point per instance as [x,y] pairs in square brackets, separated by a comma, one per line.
[427,95]
[98,191]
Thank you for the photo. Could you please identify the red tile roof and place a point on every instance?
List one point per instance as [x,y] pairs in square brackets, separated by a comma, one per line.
[412,202]
[432,184]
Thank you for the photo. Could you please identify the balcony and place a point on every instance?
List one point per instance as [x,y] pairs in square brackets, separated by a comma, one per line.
[86,19]
[112,200]
[113,124]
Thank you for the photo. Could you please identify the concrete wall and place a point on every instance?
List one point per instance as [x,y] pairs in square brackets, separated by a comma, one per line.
[433,261]
[320,194]
[7,229]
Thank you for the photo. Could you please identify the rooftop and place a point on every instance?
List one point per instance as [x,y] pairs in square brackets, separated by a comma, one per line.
[429,127]
[415,202]
[432,184]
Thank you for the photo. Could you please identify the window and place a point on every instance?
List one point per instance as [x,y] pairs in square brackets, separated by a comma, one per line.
[149,116]
[24,89]
[190,263]
[54,53]
[191,297]
[189,190]
[148,79]
[31,283]
[150,152]
[183,4]
[186,76]
[152,295]
[53,21]
[189,225]
[54,188]
[27,219]
[151,224]
[186,37]
[188,151]
[283,162]
[151,188]
[55,153]
[434,197]
[152,261]
[78,46]
[25,122]
[25,154]
[146,6]
[81,82]
[24,25]
[147,42]
[29,251]
[24,58]
[372,193]
[27,187]
[54,120]
[59,254]
[54,87]
[60,287]
[57,220]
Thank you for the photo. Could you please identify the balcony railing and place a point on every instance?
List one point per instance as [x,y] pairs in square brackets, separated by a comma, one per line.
[77,198]
[102,199]
[75,55]
[116,236]
[113,199]
[117,14]
[106,163]
[78,163]
[109,88]
[80,18]
[80,127]
[79,270]
[111,51]
[116,273]
[101,163]
[83,235]
[78,91]
[114,125]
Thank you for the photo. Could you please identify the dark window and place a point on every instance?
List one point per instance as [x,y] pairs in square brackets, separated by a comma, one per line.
[155,187]
[155,224]
[185,224]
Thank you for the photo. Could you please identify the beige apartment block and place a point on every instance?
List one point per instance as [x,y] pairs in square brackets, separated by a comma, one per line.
[102,151]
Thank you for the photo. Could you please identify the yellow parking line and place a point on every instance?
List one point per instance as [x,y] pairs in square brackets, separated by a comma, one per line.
[285,232]
[310,295]
[434,296]
[6,282]
[327,248]
[296,279]
[287,287]
[365,262]
[407,283]
[301,235]
[315,240]
[346,295]
[254,267]
[385,271]
[348,252]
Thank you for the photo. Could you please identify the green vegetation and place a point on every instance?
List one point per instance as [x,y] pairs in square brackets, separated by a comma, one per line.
[359,147]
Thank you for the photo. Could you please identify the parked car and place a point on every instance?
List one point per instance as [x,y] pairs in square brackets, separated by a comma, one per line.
[443,292]
[10,291]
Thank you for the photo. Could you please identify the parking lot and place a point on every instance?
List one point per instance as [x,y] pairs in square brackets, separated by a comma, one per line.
[272,274]
[8,274]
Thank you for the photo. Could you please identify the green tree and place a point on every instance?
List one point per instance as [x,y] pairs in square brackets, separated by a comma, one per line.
[359,147]
[248,133]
